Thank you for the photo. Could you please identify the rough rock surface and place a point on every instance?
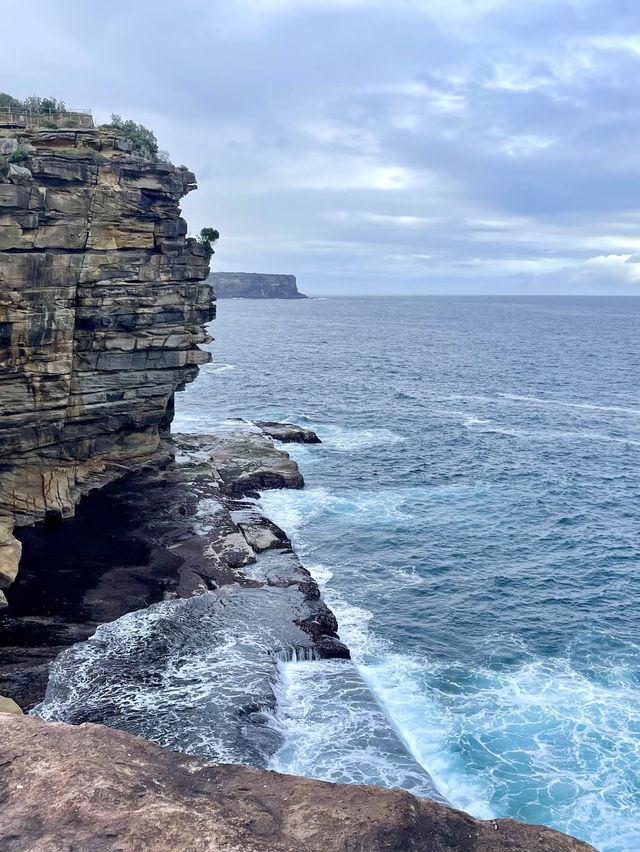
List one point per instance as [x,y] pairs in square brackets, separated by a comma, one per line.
[8,705]
[90,787]
[162,535]
[102,307]
[288,433]
[255,285]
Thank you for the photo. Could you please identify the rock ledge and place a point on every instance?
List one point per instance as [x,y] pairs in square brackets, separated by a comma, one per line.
[90,787]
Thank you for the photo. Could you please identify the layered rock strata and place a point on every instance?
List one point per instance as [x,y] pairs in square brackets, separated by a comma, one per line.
[90,787]
[102,307]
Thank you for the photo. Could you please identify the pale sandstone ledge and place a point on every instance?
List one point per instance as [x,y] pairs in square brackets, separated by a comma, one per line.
[103,302]
[93,788]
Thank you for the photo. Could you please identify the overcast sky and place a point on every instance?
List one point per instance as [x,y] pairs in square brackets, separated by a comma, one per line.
[409,146]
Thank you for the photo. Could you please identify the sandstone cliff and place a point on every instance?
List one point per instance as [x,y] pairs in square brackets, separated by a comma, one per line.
[255,285]
[102,306]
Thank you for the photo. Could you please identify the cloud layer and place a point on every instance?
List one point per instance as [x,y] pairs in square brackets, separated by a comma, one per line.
[414,146]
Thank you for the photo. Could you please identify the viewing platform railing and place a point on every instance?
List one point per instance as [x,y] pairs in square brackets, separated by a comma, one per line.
[21,117]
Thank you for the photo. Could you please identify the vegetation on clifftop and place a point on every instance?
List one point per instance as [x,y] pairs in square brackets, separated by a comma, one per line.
[33,102]
[144,140]
[206,238]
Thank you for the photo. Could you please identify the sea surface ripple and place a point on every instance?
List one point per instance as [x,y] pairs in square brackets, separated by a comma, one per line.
[473,515]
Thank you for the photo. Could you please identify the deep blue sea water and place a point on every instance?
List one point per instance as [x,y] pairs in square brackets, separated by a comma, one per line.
[473,516]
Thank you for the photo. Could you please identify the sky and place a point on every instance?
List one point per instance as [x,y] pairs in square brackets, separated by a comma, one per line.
[406,146]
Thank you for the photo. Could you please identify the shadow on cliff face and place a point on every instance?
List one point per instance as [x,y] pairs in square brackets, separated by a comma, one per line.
[91,568]
[74,575]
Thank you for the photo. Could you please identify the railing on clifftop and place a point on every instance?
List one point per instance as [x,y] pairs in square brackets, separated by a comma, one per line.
[21,117]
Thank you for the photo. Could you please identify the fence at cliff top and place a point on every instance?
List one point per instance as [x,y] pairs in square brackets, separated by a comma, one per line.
[23,117]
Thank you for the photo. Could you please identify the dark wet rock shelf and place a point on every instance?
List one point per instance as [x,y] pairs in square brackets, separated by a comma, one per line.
[162,535]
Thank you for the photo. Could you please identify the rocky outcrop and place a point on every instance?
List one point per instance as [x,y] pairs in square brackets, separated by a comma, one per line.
[255,285]
[288,433]
[89,787]
[102,307]
[8,705]
[167,535]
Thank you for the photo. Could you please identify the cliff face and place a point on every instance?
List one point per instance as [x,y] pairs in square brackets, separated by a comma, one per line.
[255,285]
[102,306]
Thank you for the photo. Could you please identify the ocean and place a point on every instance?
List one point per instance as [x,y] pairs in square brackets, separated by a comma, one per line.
[473,518]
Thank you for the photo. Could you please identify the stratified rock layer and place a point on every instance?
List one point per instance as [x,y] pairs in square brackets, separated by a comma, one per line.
[89,787]
[102,307]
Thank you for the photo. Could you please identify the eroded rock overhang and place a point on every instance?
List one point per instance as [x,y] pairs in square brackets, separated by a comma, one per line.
[103,302]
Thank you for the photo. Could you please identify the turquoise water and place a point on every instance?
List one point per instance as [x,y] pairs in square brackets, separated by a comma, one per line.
[473,516]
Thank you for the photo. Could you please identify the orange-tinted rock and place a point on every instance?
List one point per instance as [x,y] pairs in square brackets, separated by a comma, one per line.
[90,787]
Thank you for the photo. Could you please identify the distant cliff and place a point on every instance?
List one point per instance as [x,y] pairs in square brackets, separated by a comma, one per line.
[103,302]
[254,285]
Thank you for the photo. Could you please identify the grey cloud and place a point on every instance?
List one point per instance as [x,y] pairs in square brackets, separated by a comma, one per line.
[376,147]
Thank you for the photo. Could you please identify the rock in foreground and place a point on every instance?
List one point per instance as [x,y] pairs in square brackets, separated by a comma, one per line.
[90,787]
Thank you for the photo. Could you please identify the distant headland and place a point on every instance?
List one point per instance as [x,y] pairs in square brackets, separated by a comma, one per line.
[254,285]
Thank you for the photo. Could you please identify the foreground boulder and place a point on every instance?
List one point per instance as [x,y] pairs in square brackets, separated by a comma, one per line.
[90,787]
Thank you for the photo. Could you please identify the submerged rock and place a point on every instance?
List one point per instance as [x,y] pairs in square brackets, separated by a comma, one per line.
[90,787]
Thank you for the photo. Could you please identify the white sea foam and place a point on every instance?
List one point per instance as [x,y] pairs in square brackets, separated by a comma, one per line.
[351,440]
[566,736]
[535,400]
[293,510]
[335,730]
[223,368]
[548,434]
[588,406]
[475,421]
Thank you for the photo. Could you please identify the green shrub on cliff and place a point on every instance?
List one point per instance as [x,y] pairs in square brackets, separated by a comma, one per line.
[4,167]
[207,237]
[9,102]
[38,104]
[144,140]
[19,155]
[33,103]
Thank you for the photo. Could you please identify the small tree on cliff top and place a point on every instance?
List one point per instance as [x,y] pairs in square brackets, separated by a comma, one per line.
[208,236]
[7,100]
[33,102]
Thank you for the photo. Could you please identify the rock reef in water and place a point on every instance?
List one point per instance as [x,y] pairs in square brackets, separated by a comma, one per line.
[90,787]
[103,302]
[255,285]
